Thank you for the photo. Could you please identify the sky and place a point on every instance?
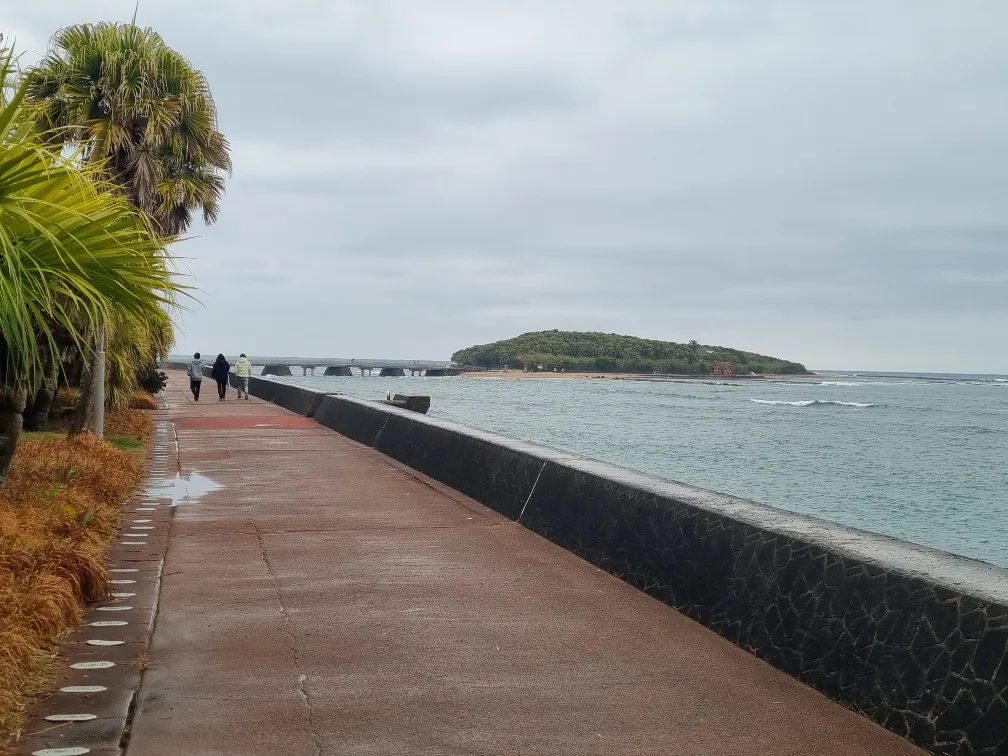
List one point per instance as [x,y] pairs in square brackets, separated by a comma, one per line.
[823,182]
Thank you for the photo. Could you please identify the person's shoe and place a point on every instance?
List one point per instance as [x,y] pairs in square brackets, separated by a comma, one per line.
[246,397]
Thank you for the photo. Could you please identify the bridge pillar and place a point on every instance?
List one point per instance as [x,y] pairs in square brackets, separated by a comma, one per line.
[334,370]
[392,373]
[277,370]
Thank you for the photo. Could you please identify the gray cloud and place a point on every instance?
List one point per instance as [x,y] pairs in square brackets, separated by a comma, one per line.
[826,182]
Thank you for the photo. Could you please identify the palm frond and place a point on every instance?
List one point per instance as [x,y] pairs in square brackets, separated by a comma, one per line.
[139,108]
[74,254]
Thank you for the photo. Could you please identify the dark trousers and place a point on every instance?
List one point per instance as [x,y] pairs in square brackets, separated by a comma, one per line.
[222,389]
[194,386]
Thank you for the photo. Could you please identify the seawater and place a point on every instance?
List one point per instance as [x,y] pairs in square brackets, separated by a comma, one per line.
[922,458]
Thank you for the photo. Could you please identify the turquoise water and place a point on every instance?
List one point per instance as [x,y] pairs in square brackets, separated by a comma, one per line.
[920,458]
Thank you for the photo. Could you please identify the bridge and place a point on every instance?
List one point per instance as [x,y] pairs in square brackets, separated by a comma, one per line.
[347,366]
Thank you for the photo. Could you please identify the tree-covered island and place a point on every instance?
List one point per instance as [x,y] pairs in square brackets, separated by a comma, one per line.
[580,351]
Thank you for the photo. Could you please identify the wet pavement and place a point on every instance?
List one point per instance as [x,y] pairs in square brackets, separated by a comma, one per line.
[318,598]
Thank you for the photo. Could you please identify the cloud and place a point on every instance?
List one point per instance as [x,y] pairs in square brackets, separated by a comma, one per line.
[825,182]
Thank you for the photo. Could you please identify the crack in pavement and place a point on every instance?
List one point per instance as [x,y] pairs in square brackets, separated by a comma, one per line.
[286,630]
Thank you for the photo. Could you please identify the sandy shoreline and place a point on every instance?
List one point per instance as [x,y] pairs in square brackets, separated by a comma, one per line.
[520,375]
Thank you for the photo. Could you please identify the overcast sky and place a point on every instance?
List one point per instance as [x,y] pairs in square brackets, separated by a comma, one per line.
[825,182]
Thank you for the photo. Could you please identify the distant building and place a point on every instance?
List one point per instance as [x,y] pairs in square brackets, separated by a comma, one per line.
[723,368]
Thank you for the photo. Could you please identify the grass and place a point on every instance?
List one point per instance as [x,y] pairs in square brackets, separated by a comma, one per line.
[124,422]
[143,401]
[129,422]
[126,444]
[59,510]
[67,397]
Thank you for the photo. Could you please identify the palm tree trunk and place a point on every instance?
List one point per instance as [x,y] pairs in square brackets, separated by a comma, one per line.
[36,414]
[83,414]
[98,388]
[12,405]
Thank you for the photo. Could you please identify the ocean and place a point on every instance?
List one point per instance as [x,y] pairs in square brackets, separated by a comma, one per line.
[919,457]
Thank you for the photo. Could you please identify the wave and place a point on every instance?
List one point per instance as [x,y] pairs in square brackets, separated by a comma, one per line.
[813,402]
[871,383]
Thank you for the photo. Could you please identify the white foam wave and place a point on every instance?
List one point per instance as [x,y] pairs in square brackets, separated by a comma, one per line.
[869,383]
[811,402]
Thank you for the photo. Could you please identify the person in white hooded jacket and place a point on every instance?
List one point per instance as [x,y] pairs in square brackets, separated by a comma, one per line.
[243,370]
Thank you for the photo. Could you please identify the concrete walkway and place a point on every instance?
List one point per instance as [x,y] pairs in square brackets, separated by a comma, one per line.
[326,600]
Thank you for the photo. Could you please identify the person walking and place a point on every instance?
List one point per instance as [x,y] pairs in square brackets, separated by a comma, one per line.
[243,371]
[195,372]
[220,371]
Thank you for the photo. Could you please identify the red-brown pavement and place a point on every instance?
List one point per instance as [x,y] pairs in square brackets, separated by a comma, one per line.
[327,600]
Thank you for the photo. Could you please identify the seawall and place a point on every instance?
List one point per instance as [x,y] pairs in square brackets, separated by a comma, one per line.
[912,637]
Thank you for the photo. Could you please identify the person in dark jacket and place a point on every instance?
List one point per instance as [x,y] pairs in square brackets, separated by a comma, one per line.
[220,374]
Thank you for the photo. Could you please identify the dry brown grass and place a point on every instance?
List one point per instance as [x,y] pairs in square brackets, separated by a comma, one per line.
[141,400]
[124,422]
[59,510]
[67,397]
[129,422]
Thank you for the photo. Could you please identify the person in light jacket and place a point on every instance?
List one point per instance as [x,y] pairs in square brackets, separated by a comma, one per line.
[195,372]
[220,371]
[243,370]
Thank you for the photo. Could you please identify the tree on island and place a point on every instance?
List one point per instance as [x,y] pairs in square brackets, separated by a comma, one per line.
[611,352]
[694,347]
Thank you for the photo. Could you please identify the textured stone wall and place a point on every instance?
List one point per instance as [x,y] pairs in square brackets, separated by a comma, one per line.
[913,638]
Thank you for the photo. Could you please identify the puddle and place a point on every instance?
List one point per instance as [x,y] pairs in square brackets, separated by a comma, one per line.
[184,489]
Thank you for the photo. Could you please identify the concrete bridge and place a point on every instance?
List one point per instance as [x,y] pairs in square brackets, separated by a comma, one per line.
[346,366]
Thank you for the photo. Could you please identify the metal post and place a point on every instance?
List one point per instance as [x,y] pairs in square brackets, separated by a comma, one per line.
[98,392]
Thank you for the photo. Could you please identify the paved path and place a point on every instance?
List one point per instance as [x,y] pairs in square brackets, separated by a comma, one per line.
[328,601]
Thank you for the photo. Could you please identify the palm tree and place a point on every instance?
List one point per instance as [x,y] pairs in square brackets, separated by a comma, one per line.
[73,255]
[139,110]
[136,105]
[135,344]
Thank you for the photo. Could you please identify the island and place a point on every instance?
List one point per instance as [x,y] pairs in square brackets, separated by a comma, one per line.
[587,351]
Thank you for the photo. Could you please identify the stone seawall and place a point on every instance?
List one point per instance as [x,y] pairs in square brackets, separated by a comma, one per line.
[912,637]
